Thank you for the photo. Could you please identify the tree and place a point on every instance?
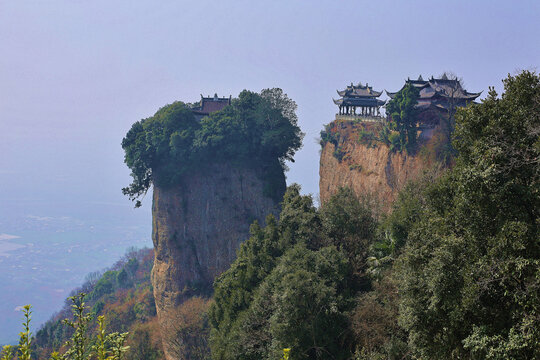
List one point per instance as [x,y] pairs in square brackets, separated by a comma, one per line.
[404,115]
[309,304]
[292,284]
[189,338]
[470,271]
[255,130]
[349,225]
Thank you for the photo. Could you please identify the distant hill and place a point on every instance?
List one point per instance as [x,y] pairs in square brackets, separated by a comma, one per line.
[123,294]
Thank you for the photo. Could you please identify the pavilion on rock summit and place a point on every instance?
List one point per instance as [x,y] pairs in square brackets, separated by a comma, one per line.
[359,101]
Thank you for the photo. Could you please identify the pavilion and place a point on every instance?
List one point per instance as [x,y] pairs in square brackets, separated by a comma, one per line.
[362,97]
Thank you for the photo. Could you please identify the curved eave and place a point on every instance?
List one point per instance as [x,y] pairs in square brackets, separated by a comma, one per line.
[390,94]
[473,96]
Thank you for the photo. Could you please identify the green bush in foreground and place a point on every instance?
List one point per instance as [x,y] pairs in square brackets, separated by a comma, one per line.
[81,346]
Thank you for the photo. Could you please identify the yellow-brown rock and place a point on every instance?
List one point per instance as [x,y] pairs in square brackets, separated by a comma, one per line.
[369,170]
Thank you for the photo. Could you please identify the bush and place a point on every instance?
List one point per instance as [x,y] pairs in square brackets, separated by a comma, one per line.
[367,138]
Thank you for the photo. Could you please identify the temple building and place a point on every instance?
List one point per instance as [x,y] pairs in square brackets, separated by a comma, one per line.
[439,94]
[208,105]
[359,101]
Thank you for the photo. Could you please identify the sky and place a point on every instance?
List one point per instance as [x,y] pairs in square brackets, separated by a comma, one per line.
[74,76]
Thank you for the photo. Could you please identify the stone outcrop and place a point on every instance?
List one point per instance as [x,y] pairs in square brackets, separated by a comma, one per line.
[197,228]
[368,169]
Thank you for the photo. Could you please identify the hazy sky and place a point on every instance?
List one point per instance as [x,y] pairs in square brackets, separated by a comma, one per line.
[74,75]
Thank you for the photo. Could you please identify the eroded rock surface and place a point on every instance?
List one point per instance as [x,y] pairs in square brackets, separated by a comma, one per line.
[371,170]
[197,228]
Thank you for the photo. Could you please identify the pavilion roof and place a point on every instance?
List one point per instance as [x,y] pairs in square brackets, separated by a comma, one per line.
[359,90]
[442,88]
[356,101]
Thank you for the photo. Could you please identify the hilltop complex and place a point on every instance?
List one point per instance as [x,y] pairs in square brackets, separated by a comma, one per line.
[437,97]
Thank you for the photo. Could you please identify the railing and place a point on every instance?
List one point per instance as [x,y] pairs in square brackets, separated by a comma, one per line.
[360,118]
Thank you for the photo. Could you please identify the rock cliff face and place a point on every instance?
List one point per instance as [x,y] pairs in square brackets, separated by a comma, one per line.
[367,169]
[197,228]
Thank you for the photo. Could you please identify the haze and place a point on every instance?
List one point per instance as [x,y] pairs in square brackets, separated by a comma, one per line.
[74,76]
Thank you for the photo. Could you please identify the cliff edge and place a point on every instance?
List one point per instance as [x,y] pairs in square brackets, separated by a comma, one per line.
[369,168]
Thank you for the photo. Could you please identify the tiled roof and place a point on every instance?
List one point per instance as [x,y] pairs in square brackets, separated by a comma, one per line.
[209,105]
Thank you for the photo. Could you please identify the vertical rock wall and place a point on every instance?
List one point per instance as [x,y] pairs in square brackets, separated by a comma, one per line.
[371,170]
[197,228]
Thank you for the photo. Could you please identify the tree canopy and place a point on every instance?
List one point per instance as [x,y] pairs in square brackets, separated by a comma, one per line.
[469,275]
[257,129]
[404,115]
[294,282]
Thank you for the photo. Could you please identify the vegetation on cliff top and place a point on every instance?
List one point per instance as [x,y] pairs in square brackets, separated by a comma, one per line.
[403,115]
[399,133]
[257,129]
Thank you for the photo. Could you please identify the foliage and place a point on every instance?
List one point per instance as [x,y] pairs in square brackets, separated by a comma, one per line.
[469,273]
[108,346]
[339,153]
[367,138]
[292,284]
[255,130]
[385,132]
[25,336]
[329,135]
[7,352]
[374,322]
[124,307]
[189,339]
[349,225]
[403,113]
[78,348]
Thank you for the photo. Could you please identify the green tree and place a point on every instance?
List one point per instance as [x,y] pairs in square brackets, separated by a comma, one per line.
[470,271]
[78,347]
[309,293]
[402,110]
[349,224]
[292,284]
[25,351]
[255,130]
